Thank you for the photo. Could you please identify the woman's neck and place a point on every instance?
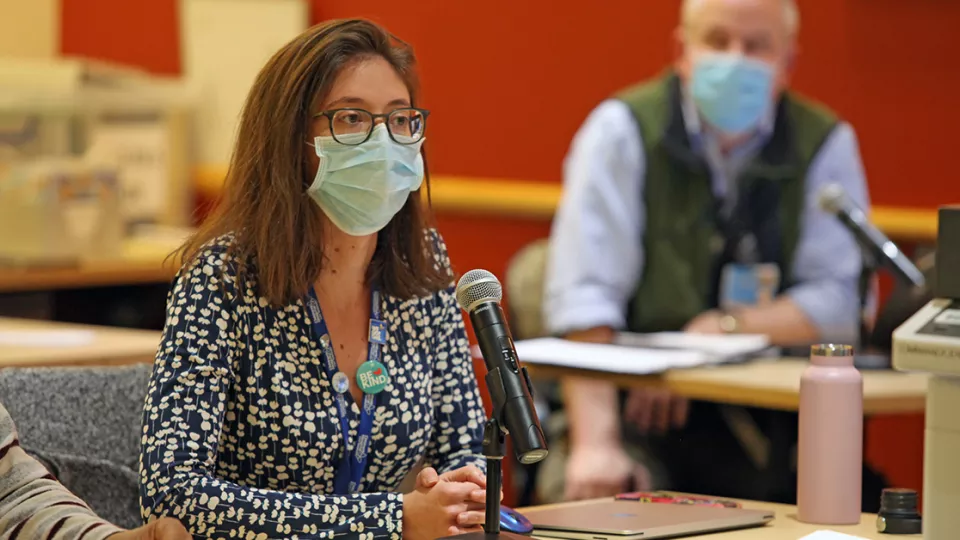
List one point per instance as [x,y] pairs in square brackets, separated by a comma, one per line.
[346,260]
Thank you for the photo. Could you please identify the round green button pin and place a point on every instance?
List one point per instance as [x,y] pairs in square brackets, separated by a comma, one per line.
[372,377]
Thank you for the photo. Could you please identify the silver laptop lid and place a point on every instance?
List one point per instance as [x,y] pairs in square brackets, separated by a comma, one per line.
[652,520]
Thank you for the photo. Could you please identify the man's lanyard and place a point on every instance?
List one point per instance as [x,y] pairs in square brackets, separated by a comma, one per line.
[372,378]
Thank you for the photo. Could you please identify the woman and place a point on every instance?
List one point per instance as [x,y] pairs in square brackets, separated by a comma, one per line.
[316,302]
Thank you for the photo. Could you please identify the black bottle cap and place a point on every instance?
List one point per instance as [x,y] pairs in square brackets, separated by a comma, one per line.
[898,512]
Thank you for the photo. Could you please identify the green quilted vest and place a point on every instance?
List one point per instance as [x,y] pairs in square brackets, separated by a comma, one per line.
[682,243]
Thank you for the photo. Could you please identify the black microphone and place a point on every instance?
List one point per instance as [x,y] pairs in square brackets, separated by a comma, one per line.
[833,199]
[479,294]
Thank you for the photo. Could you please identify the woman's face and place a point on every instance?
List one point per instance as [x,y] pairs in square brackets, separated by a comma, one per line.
[370,84]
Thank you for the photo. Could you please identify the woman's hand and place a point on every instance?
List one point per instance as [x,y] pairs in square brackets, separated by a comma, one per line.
[161,529]
[444,505]
[428,477]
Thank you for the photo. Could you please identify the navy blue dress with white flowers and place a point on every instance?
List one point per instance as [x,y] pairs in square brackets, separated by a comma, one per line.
[241,435]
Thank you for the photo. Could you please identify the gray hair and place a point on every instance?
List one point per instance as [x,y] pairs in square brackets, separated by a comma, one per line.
[791,14]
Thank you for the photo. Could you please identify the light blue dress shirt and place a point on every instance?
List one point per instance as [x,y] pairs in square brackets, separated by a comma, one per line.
[596,256]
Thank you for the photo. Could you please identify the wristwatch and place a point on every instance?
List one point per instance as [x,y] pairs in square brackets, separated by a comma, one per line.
[729,323]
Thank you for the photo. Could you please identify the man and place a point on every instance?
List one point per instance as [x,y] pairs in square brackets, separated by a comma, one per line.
[677,192]
[34,505]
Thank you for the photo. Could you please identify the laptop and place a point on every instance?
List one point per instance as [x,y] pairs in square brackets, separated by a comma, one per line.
[632,520]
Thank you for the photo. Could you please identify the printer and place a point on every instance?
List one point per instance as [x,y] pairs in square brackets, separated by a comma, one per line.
[929,342]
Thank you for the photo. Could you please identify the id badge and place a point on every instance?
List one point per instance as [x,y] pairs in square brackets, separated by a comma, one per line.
[748,284]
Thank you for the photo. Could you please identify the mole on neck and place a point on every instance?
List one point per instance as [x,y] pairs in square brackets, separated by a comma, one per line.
[346,259]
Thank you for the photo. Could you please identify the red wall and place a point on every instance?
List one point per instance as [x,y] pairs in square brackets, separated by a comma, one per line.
[510,81]
[142,34]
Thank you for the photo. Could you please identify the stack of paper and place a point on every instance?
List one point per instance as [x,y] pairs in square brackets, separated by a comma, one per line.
[722,346]
[831,535]
[598,357]
[640,354]
[46,338]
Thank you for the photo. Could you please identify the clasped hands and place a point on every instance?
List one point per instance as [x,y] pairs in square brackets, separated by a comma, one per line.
[441,505]
[445,504]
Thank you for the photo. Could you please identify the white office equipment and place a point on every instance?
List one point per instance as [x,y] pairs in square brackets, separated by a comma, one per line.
[110,115]
[929,342]
[59,212]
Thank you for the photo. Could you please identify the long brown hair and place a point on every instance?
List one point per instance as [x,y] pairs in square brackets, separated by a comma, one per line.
[276,227]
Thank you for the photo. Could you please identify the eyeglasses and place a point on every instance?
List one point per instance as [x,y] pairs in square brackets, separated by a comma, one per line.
[354,126]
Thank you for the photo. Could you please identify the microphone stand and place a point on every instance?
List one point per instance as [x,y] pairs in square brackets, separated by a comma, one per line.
[494,439]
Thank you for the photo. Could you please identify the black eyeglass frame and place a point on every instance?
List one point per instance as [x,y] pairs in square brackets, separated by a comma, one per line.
[386,118]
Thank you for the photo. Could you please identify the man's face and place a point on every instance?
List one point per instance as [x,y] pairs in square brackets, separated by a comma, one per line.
[756,29]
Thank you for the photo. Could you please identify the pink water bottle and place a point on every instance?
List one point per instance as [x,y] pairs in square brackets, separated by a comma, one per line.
[830,444]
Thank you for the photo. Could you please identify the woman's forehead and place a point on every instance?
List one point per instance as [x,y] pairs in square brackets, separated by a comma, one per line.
[370,84]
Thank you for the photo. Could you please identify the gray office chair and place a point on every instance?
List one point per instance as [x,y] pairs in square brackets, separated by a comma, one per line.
[84,425]
[524,286]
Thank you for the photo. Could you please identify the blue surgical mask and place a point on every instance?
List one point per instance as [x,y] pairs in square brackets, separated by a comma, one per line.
[361,187]
[731,92]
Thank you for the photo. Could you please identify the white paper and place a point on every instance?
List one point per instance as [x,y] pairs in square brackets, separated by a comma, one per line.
[725,346]
[830,535]
[610,358]
[45,338]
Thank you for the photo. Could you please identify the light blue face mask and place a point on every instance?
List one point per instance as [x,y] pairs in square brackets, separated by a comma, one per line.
[731,92]
[361,187]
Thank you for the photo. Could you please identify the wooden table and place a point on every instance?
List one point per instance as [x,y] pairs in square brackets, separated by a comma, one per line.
[768,383]
[107,273]
[786,527]
[73,345]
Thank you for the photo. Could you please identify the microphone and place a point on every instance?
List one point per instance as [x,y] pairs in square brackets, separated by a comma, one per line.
[479,294]
[833,199]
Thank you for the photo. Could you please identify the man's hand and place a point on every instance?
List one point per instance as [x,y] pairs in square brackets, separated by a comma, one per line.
[656,410]
[603,471]
[160,529]
[707,322]
[445,505]
[782,321]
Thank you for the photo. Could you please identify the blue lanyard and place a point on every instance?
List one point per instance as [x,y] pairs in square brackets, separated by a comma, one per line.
[350,473]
